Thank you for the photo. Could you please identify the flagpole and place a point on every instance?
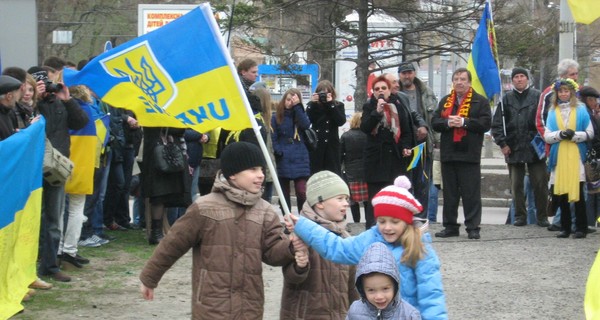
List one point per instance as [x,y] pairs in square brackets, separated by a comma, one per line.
[255,127]
[498,65]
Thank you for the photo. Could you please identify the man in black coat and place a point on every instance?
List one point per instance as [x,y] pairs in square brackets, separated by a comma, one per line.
[62,114]
[462,118]
[513,129]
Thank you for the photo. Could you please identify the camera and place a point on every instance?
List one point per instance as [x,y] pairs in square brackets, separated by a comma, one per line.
[51,87]
[323,97]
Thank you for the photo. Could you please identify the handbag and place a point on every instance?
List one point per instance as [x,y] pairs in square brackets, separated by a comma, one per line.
[56,167]
[310,139]
[591,166]
[168,157]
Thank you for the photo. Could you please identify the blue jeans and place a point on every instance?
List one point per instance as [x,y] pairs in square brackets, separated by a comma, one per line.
[53,208]
[531,211]
[432,206]
[94,202]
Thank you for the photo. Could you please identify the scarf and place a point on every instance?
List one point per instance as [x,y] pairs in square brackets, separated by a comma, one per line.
[566,153]
[390,121]
[463,110]
[337,227]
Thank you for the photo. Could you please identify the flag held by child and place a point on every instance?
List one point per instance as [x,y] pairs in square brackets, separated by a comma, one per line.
[179,75]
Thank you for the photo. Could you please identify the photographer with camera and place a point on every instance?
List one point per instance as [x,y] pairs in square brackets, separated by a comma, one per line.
[62,113]
[326,115]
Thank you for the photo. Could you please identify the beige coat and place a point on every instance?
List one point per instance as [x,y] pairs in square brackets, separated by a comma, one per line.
[231,232]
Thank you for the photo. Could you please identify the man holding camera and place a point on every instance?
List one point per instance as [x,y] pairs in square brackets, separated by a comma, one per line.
[326,115]
[62,113]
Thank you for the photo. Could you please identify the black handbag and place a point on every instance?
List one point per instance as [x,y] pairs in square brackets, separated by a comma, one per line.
[168,156]
[310,139]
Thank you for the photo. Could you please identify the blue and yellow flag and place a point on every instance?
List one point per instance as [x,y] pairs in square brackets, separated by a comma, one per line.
[179,75]
[584,11]
[83,154]
[483,62]
[21,188]
[592,291]
[417,154]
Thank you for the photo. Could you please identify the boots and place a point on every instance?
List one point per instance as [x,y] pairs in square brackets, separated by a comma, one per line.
[156,233]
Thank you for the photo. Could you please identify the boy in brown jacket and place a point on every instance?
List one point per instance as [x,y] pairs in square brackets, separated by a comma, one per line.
[323,289]
[231,231]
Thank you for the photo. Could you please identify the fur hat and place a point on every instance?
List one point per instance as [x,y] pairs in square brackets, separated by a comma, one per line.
[324,185]
[240,156]
[517,70]
[396,201]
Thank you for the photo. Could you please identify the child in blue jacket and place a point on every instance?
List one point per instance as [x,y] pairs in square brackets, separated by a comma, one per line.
[419,266]
[378,283]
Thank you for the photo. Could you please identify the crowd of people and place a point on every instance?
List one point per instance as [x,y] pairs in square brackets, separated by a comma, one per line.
[216,198]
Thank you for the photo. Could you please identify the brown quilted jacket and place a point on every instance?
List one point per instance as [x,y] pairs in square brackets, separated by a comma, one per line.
[326,290]
[231,232]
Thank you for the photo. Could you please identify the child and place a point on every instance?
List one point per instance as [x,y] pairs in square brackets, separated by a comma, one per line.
[567,129]
[377,281]
[231,231]
[419,266]
[323,290]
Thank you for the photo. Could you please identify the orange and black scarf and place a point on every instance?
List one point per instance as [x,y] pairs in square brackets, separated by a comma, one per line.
[463,111]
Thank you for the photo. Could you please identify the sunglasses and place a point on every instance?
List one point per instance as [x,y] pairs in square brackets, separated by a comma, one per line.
[380,88]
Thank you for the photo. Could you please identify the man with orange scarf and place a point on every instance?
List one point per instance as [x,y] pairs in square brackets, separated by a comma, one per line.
[462,118]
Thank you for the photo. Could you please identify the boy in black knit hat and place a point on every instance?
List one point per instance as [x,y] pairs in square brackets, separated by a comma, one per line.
[232,231]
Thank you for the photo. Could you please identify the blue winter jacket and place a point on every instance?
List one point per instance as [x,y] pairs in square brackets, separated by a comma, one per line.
[379,259]
[420,286]
[288,144]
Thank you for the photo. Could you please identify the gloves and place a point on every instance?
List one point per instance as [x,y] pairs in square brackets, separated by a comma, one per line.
[566,134]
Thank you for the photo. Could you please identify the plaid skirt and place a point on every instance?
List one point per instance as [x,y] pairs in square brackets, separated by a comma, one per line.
[358,191]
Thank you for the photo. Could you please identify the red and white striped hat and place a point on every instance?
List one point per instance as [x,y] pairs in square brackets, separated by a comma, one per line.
[396,201]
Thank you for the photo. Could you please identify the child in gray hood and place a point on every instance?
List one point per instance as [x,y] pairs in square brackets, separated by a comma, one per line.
[378,283]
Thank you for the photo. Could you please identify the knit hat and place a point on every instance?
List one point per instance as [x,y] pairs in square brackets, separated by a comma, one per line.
[517,70]
[239,156]
[396,202]
[324,185]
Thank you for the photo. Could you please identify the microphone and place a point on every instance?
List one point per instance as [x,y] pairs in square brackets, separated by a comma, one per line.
[381,96]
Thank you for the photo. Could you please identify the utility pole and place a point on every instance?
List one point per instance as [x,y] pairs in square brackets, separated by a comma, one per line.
[566,40]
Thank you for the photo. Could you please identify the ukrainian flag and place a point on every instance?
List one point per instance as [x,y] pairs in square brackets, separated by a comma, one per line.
[21,188]
[417,154]
[592,292]
[584,11]
[482,61]
[179,75]
[84,155]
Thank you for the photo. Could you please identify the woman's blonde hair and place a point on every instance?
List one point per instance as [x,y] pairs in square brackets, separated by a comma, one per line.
[30,80]
[414,249]
[80,92]
[265,101]
[279,112]
[355,120]
[569,84]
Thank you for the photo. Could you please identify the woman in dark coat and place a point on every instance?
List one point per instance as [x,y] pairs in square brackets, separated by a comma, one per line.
[326,115]
[163,189]
[352,144]
[390,138]
[288,145]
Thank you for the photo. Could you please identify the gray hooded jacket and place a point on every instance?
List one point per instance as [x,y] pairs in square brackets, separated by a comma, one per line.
[378,258]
